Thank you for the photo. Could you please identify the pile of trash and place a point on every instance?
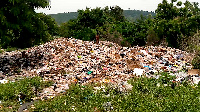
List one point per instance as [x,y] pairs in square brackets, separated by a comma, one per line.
[69,60]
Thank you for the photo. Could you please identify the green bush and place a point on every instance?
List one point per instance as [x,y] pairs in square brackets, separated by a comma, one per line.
[147,94]
[9,92]
[85,34]
[9,49]
[1,51]
[196,61]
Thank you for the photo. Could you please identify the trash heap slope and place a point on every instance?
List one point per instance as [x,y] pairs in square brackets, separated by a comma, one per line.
[67,60]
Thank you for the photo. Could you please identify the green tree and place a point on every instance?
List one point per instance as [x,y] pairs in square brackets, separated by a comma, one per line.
[64,30]
[90,22]
[21,26]
[51,25]
[91,17]
[166,10]
[117,13]
[136,32]
[173,23]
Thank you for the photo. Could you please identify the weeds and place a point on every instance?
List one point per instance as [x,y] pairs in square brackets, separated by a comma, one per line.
[145,95]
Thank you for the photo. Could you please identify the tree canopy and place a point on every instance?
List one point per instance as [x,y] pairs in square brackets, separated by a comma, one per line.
[21,26]
[173,21]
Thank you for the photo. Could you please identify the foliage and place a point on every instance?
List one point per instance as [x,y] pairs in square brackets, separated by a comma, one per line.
[64,30]
[165,78]
[191,44]
[9,92]
[91,22]
[1,51]
[152,37]
[173,22]
[147,94]
[171,25]
[50,23]
[166,11]
[133,15]
[9,49]
[21,26]
[61,18]
[130,15]
[110,24]
[196,61]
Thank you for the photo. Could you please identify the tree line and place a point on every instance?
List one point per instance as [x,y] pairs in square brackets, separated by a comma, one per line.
[174,22]
[131,15]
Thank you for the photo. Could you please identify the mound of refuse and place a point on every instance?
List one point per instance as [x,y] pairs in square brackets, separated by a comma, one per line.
[69,60]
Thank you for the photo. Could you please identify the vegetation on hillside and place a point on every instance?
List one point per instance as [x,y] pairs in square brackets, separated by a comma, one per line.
[172,27]
[109,23]
[131,15]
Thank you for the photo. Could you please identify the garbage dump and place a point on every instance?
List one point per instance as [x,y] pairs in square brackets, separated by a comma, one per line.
[68,60]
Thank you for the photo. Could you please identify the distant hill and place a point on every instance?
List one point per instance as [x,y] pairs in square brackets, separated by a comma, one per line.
[131,15]
[64,17]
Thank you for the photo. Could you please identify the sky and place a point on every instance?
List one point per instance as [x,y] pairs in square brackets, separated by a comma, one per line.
[61,6]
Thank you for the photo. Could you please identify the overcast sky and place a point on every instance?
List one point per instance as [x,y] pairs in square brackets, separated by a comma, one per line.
[61,6]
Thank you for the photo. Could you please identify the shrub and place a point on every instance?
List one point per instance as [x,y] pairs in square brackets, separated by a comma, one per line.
[9,49]
[1,51]
[196,61]
[152,38]
[145,95]
[9,92]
